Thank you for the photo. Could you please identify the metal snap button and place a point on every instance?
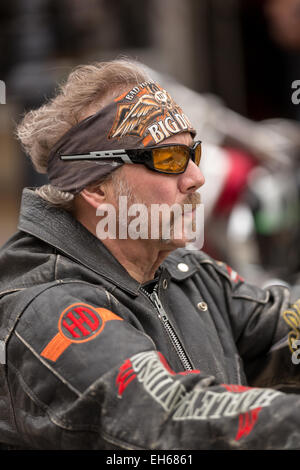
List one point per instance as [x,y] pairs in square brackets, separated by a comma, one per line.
[183,267]
[202,306]
[165,284]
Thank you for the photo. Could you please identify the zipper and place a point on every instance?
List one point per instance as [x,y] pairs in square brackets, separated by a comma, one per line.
[162,314]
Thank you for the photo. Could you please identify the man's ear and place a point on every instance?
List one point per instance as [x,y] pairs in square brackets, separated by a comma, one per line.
[94,196]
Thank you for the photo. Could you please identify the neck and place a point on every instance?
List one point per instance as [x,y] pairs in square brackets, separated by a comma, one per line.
[141,258]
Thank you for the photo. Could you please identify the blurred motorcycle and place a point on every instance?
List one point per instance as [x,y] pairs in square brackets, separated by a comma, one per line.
[252,190]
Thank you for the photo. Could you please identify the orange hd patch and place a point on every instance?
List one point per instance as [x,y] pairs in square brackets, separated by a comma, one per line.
[78,323]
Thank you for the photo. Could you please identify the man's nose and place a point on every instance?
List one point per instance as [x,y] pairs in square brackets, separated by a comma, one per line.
[191,179]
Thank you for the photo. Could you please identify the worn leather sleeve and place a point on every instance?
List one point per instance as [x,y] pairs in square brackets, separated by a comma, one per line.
[83,375]
[265,323]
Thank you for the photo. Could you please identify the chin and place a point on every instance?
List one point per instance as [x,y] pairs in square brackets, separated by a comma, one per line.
[174,243]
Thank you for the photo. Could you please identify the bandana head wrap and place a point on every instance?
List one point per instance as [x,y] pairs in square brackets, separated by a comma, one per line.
[142,117]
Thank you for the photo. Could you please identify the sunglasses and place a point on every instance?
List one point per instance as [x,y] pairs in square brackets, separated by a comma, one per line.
[171,159]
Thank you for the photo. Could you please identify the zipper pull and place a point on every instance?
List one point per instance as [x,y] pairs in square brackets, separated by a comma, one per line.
[158,305]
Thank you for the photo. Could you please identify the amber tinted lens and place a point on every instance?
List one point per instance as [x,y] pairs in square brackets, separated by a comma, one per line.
[198,152]
[171,159]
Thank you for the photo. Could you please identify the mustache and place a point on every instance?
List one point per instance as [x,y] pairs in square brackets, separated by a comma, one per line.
[194,199]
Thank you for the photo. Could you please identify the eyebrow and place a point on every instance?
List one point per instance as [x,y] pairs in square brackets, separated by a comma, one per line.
[192,141]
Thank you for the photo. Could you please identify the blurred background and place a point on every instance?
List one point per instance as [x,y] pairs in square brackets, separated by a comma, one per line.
[231,64]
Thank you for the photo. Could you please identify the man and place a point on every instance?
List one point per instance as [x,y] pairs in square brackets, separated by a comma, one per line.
[119,342]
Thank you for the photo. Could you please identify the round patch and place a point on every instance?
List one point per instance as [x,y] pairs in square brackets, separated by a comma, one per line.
[80,323]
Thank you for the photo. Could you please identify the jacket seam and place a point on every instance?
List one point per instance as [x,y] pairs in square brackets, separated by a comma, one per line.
[62,379]
[108,299]
[56,267]
[13,412]
[67,425]
[77,261]
[27,389]
[251,299]
[238,369]
[206,261]
[10,291]
[53,417]
[63,424]
[217,268]
[12,329]
[74,281]
[113,440]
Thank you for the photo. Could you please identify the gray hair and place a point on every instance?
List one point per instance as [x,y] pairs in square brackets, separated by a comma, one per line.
[87,89]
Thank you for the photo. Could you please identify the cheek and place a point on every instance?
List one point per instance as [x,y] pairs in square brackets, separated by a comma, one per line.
[158,193]
[152,187]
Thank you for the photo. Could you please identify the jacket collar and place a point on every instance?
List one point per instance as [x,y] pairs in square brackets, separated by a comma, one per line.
[58,228]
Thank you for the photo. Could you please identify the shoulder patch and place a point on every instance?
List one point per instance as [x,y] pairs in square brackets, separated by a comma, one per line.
[234,276]
[230,273]
[78,323]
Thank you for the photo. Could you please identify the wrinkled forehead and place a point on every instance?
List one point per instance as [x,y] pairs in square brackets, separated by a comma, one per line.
[185,138]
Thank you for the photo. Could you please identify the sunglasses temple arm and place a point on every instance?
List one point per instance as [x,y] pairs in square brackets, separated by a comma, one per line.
[105,154]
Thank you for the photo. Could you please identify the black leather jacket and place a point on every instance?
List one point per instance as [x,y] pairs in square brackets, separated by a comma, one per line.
[90,359]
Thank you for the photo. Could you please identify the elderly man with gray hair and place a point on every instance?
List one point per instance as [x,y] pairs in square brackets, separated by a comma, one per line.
[114,332]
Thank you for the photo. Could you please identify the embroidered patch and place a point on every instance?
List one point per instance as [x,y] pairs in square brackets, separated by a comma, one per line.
[127,373]
[200,403]
[292,318]
[78,323]
[234,276]
[248,419]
